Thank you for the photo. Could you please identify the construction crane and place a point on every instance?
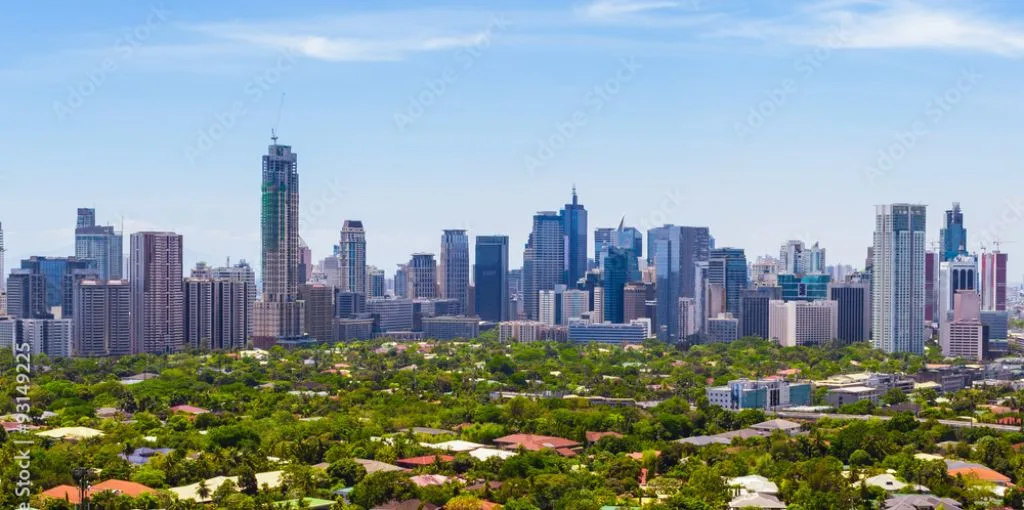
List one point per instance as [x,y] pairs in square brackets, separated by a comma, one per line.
[273,130]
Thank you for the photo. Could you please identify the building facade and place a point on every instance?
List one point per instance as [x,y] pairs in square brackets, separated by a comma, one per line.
[965,335]
[454,269]
[102,326]
[451,328]
[574,227]
[728,267]
[675,252]
[422,276]
[102,244]
[491,278]
[853,301]
[953,235]
[754,318]
[352,257]
[216,314]
[798,323]
[543,260]
[993,281]
[320,310]
[897,272]
[158,300]
[582,331]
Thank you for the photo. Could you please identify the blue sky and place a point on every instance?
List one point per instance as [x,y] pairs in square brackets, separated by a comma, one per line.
[764,120]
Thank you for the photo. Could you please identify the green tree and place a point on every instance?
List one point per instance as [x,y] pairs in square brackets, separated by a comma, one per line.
[379,488]
[347,472]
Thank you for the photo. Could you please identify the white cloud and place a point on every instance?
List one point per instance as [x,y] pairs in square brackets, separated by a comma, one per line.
[894,24]
[612,8]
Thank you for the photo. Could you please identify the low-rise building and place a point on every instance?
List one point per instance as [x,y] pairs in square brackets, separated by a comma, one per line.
[765,394]
[450,327]
[606,332]
[846,395]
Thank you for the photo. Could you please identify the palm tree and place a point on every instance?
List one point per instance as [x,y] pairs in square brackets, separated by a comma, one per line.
[203,491]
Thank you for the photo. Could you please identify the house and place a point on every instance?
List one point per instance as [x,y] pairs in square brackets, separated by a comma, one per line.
[920,502]
[429,480]
[593,437]
[770,426]
[71,433]
[457,446]
[705,440]
[110,412]
[535,443]
[757,501]
[310,503]
[490,453]
[432,432]
[375,466]
[427,460]
[70,493]
[187,409]
[969,469]
[143,455]
[890,483]
[753,484]
[272,479]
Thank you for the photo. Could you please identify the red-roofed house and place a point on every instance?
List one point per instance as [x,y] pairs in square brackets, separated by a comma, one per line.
[427,460]
[70,493]
[981,473]
[535,443]
[187,409]
[593,437]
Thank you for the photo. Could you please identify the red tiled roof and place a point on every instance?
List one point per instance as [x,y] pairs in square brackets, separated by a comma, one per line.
[593,437]
[426,460]
[188,409]
[981,473]
[70,493]
[535,443]
[565,452]
[489,505]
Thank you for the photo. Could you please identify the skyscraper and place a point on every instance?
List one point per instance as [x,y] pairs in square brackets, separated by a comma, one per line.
[931,274]
[728,267]
[796,323]
[320,310]
[56,271]
[897,289]
[796,258]
[402,281]
[279,314]
[155,273]
[102,322]
[617,264]
[101,244]
[675,251]
[574,225]
[353,257]
[454,277]
[953,235]
[376,284]
[543,260]
[993,281]
[491,275]
[26,295]
[853,301]
[422,276]
[754,310]
[620,237]
[634,301]
[215,313]
[241,272]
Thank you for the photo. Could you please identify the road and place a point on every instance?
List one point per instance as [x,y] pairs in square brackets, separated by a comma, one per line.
[951,423]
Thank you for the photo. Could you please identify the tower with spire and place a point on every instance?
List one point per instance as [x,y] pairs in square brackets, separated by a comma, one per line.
[574,228]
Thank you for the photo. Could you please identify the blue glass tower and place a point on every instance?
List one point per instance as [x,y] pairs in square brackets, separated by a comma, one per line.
[490,274]
[953,235]
[810,287]
[574,226]
[617,269]
[728,267]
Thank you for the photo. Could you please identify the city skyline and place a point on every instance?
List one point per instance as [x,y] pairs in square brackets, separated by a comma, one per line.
[667,138]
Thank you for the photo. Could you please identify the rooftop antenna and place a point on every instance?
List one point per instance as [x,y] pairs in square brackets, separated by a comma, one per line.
[273,130]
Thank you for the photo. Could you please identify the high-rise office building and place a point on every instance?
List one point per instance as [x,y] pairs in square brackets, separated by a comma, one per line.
[56,271]
[626,238]
[931,275]
[491,276]
[575,304]
[26,295]
[965,335]
[102,322]
[634,301]
[352,257]
[391,314]
[754,310]
[320,310]
[897,289]
[675,251]
[75,274]
[349,304]
[617,264]
[543,260]
[376,283]
[993,281]
[796,258]
[723,328]
[574,227]
[809,287]
[953,235]
[240,272]
[279,313]
[216,313]
[454,267]
[155,273]
[690,322]
[793,323]
[853,301]
[550,305]
[728,267]
[402,281]
[422,276]
[101,244]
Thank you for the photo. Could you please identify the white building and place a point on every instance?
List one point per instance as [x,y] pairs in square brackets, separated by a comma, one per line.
[689,321]
[44,336]
[796,323]
[575,303]
[898,272]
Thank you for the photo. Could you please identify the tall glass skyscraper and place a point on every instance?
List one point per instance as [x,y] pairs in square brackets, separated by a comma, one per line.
[617,264]
[728,267]
[543,260]
[574,225]
[491,276]
[953,235]
[675,251]
[352,257]
[99,243]
[454,270]
[897,278]
[279,314]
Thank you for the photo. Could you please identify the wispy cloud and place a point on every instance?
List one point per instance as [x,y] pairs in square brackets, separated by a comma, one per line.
[889,24]
[345,49]
[612,8]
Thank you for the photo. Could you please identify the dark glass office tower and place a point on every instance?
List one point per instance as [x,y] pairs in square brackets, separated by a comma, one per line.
[490,275]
